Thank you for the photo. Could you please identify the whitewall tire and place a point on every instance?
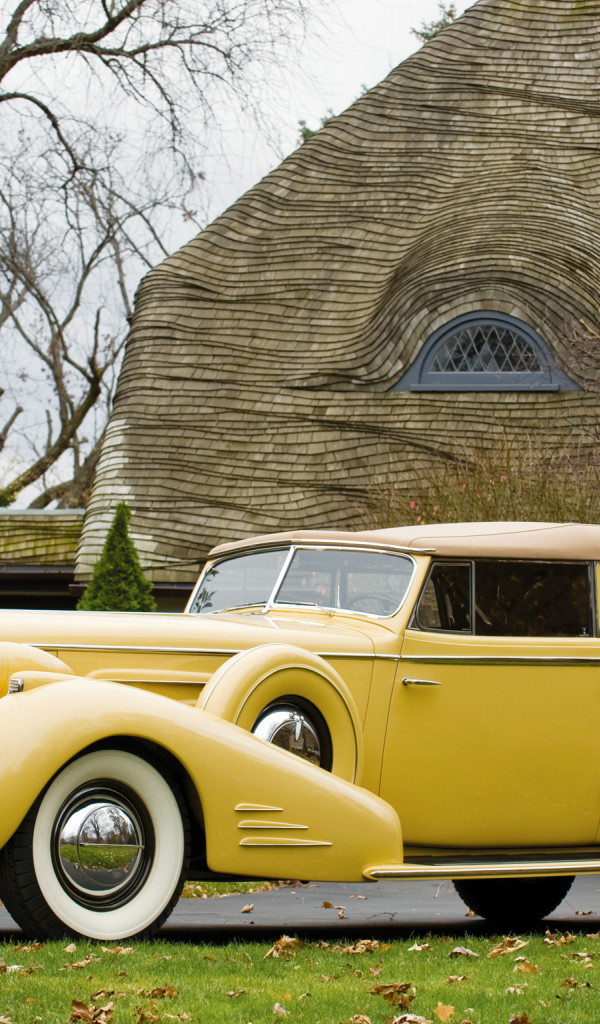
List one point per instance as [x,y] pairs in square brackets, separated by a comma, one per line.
[102,852]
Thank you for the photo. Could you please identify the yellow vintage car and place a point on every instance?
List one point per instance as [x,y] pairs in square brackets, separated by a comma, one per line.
[421,702]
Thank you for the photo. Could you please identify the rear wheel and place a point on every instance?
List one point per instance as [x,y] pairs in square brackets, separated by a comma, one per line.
[296,725]
[514,903]
[102,852]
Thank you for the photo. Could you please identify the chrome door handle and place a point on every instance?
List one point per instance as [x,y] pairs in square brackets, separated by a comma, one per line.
[420,682]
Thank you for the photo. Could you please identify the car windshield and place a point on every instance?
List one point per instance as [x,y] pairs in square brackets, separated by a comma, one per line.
[371,582]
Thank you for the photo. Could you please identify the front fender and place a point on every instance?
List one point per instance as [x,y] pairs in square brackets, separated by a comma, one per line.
[21,657]
[267,813]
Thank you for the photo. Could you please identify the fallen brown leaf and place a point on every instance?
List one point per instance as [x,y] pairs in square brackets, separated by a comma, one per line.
[556,939]
[166,992]
[444,1013]
[326,905]
[411,1018]
[279,1010]
[461,951]
[71,948]
[247,909]
[523,1019]
[456,977]
[145,1016]
[508,945]
[284,947]
[524,966]
[236,994]
[363,946]
[359,1018]
[358,897]
[375,971]
[91,1014]
[399,993]
[80,963]
[571,983]
[29,949]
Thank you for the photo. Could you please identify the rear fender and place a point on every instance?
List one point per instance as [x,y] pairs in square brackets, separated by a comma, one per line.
[267,813]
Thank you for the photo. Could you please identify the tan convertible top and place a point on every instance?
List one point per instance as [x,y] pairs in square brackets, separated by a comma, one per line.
[570,541]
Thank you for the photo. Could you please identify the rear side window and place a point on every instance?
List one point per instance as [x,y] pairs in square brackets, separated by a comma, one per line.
[533,599]
[507,598]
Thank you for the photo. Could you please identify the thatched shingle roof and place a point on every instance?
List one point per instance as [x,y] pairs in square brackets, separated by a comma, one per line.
[255,393]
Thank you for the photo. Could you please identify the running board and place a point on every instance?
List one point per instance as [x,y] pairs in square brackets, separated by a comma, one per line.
[491,869]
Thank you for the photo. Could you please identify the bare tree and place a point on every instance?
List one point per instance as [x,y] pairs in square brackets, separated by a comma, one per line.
[103,107]
[429,29]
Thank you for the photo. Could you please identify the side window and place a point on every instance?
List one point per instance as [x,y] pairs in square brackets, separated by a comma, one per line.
[445,601]
[532,599]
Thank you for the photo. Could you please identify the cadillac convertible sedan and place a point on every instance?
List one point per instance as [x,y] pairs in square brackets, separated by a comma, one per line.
[420,702]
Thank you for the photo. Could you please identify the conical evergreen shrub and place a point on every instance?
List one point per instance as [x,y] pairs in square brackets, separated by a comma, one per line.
[118,583]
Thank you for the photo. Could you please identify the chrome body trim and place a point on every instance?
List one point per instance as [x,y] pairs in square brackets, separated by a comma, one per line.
[50,645]
[281,841]
[496,869]
[128,649]
[256,807]
[270,824]
[505,659]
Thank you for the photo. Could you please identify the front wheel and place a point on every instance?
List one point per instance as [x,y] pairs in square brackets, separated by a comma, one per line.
[101,853]
[514,903]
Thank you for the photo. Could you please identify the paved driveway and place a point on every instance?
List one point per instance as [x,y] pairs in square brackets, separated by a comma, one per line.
[391,909]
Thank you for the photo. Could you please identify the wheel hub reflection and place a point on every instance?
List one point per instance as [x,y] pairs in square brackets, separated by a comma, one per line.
[100,848]
[291,730]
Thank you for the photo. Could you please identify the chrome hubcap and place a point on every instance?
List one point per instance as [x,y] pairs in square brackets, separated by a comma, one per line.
[102,847]
[291,730]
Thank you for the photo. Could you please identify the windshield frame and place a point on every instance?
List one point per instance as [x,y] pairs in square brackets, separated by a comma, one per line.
[271,604]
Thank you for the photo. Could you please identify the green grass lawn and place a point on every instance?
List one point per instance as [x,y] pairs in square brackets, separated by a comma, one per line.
[542,982]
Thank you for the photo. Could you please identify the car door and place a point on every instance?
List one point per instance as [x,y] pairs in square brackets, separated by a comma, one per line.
[493,737]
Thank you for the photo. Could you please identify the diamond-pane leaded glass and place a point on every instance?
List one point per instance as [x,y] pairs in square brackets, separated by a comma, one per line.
[485,351]
[487,348]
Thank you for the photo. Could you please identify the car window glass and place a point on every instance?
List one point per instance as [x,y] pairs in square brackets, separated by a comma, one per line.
[532,598]
[237,582]
[364,581]
[445,601]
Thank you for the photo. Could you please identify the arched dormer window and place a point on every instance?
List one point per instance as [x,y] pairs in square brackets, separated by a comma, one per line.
[485,351]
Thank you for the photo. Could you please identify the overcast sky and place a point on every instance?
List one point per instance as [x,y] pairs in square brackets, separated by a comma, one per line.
[350,45]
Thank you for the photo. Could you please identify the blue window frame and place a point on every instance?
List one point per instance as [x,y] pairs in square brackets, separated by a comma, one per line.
[485,351]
